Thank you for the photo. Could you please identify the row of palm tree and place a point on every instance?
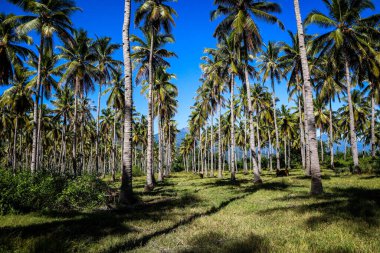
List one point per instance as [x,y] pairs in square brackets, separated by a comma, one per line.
[318,69]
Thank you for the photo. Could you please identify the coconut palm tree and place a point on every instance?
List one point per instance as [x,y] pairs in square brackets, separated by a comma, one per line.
[315,171]
[12,50]
[270,67]
[47,18]
[239,23]
[106,64]
[346,42]
[80,72]
[156,15]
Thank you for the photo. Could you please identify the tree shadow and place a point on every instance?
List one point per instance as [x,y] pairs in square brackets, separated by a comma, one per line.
[352,204]
[216,242]
[86,228]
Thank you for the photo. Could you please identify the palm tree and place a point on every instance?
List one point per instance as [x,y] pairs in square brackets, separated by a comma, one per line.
[239,23]
[156,15]
[270,66]
[18,99]
[346,42]
[126,189]
[48,17]
[106,64]
[315,171]
[80,72]
[12,51]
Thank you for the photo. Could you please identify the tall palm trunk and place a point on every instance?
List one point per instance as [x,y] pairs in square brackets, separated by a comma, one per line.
[14,162]
[245,165]
[212,144]
[114,149]
[270,151]
[97,130]
[302,134]
[307,139]
[220,175]
[354,144]
[160,140]
[331,138]
[205,155]
[126,190]
[256,172]
[74,158]
[64,141]
[39,135]
[278,166]
[373,118]
[33,164]
[149,174]
[321,140]
[232,157]
[316,181]
[258,144]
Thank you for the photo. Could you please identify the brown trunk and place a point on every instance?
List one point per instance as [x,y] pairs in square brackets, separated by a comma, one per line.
[316,181]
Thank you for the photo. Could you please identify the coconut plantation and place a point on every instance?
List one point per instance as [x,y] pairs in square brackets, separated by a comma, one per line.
[189,126]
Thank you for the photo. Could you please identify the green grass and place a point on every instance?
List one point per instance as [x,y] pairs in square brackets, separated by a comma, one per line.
[189,214]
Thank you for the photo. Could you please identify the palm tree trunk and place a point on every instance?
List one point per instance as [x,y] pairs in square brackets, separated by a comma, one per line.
[321,140]
[74,158]
[270,151]
[33,164]
[354,144]
[97,130]
[212,145]
[245,165]
[232,164]
[39,136]
[307,142]
[256,173]
[275,127]
[258,145]
[285,153]
[14,146]
[64,141]
[373,118]
[160,140]
[126,190]
[149,174]
[302,134]
[220,174]
[316,181]
[331,138]
[114,149]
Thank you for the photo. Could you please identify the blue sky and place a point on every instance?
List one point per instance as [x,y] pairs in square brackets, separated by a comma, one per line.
[193,32]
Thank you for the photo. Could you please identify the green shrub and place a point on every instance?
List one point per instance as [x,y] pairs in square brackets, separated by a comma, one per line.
[27,192]
[137,171]
[83,192]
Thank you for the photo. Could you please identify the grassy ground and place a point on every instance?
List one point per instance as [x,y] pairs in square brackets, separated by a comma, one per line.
[189,214]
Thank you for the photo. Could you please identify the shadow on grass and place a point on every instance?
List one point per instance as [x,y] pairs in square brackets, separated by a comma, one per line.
[85,228]
[352,204]
[216,242]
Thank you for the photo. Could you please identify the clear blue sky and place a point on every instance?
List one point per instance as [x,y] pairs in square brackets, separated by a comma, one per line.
[193,32]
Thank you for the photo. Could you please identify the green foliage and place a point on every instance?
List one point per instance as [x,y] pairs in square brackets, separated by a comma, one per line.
[25,192]
[137,171]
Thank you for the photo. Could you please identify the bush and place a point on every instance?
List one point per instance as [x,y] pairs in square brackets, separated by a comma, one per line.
[137,171]
[83,192]
[27,192]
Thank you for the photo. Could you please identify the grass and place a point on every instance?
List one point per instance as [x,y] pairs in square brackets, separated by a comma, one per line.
[189,214]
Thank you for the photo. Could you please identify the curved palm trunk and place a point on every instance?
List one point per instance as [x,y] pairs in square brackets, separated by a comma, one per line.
[373,118]
[220,175]
[316,181]
[354,144]
[278,166]
[331,138]
[258,146]
[256,172]
[126,190]
[232,157]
